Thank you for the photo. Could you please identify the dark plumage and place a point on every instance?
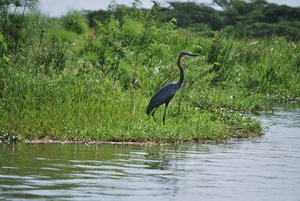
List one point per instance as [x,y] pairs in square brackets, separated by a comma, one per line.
[167,92]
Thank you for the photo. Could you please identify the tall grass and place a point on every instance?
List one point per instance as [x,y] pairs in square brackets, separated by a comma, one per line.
[69,82]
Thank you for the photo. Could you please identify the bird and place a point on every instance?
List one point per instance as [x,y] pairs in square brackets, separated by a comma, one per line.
[167,92]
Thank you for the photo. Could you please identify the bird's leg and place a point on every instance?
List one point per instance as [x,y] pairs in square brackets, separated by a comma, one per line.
[164,117]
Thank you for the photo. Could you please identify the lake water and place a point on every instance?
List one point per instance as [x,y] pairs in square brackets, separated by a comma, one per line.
[258,169]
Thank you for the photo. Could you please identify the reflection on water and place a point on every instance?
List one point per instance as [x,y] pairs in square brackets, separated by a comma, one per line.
[259,169]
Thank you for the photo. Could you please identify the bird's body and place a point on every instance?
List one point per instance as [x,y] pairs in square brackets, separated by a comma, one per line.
[167,92]
[160,96]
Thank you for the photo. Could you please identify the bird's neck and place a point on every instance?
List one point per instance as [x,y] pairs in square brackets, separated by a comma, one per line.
[181,79]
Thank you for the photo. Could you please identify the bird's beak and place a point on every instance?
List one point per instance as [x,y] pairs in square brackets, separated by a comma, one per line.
[193,55]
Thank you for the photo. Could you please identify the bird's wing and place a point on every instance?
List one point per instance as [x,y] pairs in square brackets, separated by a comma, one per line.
[163,95]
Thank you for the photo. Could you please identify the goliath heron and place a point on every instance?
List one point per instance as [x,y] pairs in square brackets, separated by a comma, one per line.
[167,92]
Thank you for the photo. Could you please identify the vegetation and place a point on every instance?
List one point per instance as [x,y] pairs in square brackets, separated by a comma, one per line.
[255,18]
[60,79]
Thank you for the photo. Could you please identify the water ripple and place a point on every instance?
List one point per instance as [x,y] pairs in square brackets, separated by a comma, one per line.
[259,169]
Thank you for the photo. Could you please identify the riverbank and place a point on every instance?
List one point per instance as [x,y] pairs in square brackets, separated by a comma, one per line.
[51,141]
[80,84]
[266,167]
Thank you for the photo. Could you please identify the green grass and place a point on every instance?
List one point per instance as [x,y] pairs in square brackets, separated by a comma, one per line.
[84,108]
[86,85]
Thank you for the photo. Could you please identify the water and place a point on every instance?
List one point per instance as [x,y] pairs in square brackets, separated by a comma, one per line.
[259,169]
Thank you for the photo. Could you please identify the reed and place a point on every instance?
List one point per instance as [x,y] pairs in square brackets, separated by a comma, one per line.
[85,85]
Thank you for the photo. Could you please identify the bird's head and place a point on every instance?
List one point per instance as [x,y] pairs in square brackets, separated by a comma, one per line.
[181,54]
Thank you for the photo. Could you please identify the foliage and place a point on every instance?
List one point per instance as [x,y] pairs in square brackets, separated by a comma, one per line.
[70,82]
[75,22]
[12,18]
[256,18]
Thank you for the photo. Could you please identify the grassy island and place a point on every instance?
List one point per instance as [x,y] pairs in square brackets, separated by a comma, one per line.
[62,80]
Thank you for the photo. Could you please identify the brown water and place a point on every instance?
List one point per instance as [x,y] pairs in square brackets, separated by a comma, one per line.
[259,169]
